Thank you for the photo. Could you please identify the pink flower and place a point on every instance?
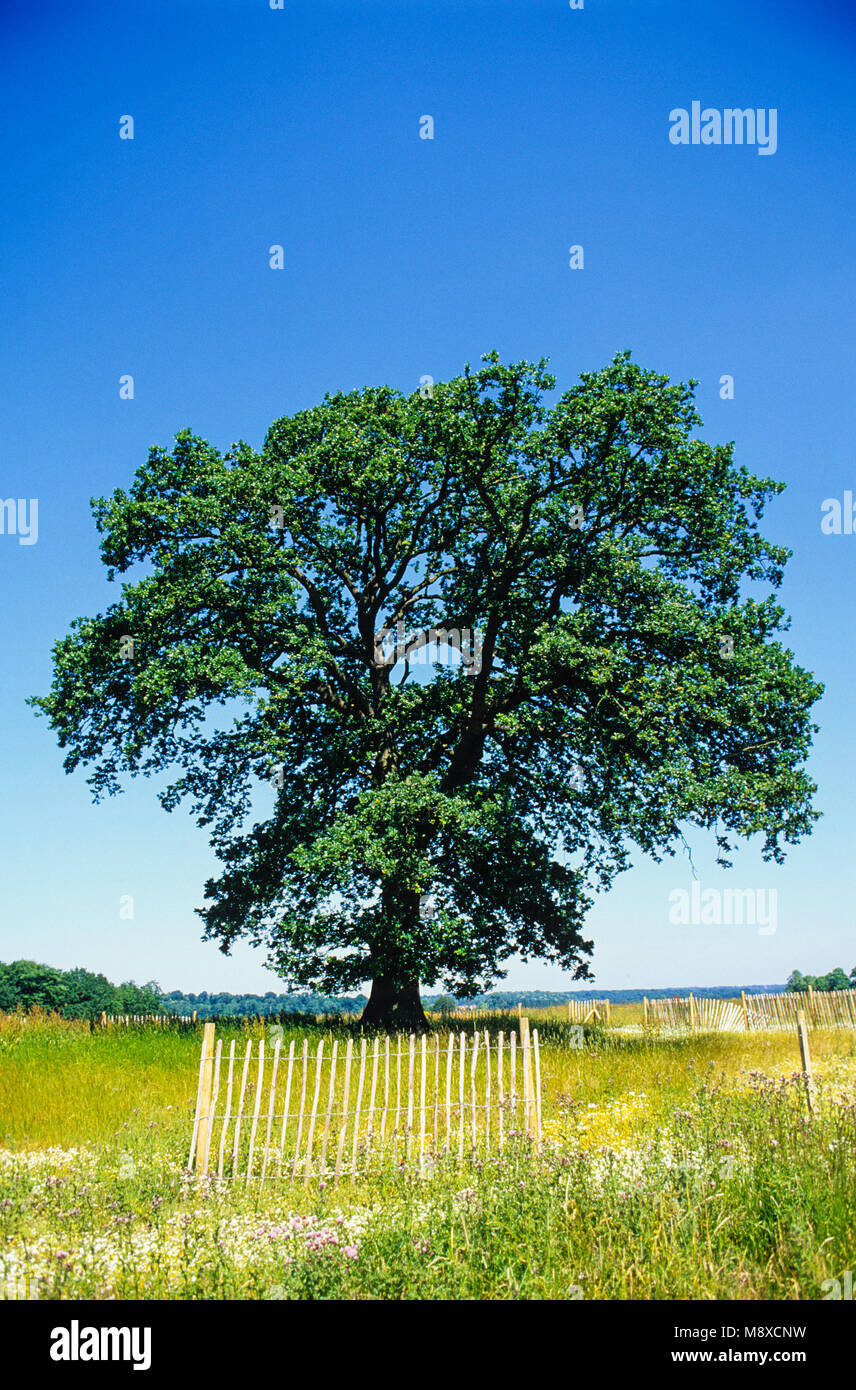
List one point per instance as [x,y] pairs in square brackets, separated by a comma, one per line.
[351,1252]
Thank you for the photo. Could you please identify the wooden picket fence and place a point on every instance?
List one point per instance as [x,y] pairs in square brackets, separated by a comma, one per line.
[156,1020]
[342,1112]
[588,1011]
[833,1009]
[704,1015]
[755,1012]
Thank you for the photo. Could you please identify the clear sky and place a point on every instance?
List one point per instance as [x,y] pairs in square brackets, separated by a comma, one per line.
[404,256]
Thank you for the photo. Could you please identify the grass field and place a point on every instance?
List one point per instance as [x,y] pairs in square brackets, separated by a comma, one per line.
[673,1168]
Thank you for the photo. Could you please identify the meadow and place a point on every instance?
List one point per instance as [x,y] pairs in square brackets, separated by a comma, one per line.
[673,1167]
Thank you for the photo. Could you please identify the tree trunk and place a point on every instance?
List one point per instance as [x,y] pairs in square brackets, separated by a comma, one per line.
[395,1005]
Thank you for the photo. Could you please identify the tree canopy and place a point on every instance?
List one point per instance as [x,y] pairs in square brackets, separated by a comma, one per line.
[593,574]
[76,993]
[836,979]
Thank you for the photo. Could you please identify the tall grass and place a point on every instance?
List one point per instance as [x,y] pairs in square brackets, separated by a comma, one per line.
[674,1168]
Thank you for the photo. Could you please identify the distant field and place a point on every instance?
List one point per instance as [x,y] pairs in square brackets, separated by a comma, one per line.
[673,1168]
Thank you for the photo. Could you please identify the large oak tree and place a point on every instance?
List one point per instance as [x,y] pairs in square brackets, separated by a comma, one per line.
[630,679]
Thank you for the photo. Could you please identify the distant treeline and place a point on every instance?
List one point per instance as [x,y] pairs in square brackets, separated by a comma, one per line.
[224,1005]
[74,993]
[81,994]
[545,999]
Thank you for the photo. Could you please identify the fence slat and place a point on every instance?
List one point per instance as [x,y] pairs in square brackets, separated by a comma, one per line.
[461,1119]
[397,1096]
[526,1064]
[449,1064]
[410,1066]
[371,1125]
[436,1091]
[346,1108]
[319,1058]
[257,1100]
[499,1092]
[473,1097]
[240,1113]
[423,1077]
[287,1102]
[330,1098]
[385,1097]
[227,1116]
[304,1069]
[358,1105]
[487,1091]
[537,1052]
[266,1155]
[213,1107]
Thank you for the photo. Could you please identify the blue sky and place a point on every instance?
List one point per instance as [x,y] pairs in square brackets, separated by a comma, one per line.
[403,257]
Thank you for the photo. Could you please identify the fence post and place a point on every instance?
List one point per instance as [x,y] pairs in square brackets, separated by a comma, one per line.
[537,1088]
[745,1010]
[608,1016]
[805,1055]
[811,1004]
[193,1017]
[692,1014]
[206,1079]
[526,1058]
[645,1007]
